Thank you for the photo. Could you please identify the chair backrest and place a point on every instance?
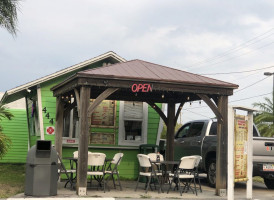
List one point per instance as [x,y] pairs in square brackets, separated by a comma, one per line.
[117,158]
[198,160]
[153,157]
[96,159]
[187,162]
[144,160]
[75,154]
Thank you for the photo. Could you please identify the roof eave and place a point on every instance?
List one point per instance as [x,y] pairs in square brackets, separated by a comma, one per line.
[230,86]
[28,85]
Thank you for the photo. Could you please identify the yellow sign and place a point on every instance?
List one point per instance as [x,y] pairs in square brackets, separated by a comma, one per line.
[240,148]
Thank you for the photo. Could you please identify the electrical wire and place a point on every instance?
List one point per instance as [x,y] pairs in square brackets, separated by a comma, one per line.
[244,77]
[250,97]
[231,101]
[237,48]
[196,113]
[240,55]
[259,69]
[252,84]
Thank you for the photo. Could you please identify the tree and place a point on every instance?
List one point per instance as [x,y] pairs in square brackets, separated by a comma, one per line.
[5,142]
[8,15]
[264,119]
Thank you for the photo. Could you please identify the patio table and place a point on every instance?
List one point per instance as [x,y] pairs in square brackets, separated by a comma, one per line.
[165,166]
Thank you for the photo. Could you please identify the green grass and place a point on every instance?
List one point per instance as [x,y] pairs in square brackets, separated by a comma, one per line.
[12,179]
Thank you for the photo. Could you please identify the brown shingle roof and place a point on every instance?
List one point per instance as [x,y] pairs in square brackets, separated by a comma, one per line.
[142,70]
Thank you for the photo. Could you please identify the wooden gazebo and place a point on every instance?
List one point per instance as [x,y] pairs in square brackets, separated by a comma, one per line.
[138,80]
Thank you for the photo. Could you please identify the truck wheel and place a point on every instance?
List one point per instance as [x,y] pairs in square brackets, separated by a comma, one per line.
[269,183]
[211,173]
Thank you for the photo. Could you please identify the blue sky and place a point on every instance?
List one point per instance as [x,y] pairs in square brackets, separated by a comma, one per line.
[199,36]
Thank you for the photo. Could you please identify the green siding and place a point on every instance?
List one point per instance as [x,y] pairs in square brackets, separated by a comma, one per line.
[17,130]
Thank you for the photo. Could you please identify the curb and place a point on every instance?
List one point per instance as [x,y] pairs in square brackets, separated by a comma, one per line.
[77,198]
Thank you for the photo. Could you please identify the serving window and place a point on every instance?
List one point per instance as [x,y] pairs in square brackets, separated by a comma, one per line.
[132,123]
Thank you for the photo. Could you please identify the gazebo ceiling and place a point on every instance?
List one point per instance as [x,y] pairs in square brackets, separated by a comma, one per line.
[139,80]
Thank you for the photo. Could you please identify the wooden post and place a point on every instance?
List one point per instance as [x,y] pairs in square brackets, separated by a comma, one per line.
[170,131]
[83,141]
[221,154]
[59,125]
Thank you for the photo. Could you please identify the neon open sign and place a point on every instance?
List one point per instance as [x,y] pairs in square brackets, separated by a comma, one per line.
[141,88]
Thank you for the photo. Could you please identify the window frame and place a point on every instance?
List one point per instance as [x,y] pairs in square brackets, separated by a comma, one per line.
[121,133]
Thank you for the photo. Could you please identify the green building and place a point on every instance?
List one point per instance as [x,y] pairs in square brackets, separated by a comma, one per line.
[115,126]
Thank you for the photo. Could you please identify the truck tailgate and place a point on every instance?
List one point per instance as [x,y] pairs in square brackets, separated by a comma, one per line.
[263,149]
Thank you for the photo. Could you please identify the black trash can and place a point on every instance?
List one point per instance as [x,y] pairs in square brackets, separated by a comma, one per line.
[148,148]
[41,170]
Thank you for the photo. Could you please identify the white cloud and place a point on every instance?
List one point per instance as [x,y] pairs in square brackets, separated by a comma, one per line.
[174,33]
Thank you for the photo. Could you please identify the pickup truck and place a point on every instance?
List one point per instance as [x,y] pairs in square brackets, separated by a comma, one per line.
[200,138]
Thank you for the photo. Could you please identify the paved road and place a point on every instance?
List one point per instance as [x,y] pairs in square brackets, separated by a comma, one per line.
[260,192]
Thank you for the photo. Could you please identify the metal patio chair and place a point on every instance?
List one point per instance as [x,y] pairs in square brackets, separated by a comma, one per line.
[112,169]
[185,173]
[197,174]
[146,170]
[96,162]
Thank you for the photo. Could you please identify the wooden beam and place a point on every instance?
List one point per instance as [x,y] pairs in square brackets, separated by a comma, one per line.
[213,107]
[68,109]
[221,154]
[59,125]
[170,131]
[127,83]
[83,141]
[100,98]
[77,97]
[159,111]
[178,112]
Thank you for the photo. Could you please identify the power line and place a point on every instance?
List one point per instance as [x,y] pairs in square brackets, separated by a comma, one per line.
[237,48]
[232,101]
[196,113]
[241,54]
[251,84]
[250,97]
[239,71]
[244,77]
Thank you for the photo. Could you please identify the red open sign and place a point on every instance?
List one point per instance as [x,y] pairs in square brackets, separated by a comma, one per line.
[141,88]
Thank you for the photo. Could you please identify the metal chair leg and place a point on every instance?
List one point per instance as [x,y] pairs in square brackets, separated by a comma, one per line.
[137,183]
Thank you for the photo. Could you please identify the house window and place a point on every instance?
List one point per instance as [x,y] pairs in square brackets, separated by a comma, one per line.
[133,123]
[34,126]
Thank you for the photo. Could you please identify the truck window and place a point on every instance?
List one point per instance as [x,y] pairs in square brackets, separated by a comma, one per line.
[213,129]
[255,132]
[195,129]
[183,131]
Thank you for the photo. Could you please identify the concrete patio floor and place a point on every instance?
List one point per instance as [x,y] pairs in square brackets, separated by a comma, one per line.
[259,192]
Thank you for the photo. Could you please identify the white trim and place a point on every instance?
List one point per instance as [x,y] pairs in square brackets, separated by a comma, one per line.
[121,140]
[40,113]
[64,71]
[249,155]
[230,155]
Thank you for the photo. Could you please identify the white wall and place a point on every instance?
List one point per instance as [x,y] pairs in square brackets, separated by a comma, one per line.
[19,104]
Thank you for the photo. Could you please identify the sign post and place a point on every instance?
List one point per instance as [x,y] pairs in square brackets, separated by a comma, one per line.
[240,149]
